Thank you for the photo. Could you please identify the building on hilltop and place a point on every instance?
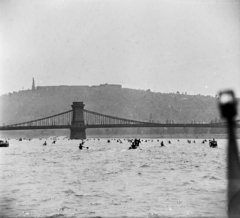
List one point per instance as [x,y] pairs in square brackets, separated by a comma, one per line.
[111,85]
[60,88]
[65,87]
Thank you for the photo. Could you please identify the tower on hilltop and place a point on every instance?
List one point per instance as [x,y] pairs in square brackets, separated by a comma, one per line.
[33,85]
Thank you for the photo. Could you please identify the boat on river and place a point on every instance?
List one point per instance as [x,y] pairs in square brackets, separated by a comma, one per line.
[213,143]
[4,144]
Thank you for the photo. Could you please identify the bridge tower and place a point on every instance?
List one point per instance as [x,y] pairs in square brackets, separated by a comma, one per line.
[77,127]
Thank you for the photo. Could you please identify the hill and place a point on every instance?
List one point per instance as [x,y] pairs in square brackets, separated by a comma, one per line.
[108,99]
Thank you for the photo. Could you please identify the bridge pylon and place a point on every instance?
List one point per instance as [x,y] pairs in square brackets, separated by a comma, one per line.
[77,127]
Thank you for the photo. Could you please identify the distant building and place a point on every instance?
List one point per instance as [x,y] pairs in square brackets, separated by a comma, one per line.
[61,87]
[33,85]
[65,87]
[111,85]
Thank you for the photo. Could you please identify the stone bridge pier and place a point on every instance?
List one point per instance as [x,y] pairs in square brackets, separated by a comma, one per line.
[78,125]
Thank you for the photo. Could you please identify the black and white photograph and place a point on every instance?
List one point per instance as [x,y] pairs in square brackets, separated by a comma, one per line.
[119,108]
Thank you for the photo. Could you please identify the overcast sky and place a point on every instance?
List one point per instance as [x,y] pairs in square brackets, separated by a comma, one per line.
[188,46]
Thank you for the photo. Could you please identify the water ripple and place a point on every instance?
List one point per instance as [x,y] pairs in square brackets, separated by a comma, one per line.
[109,180]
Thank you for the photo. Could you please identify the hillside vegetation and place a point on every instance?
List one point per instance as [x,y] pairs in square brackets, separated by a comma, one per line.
[108,99]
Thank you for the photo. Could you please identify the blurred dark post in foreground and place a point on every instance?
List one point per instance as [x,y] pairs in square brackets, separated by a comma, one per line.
[228,109]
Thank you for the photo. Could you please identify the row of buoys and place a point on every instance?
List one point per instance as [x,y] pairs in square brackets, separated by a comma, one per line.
[29,139]
[130,140]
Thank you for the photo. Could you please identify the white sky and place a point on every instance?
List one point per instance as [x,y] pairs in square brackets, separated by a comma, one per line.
[189,46]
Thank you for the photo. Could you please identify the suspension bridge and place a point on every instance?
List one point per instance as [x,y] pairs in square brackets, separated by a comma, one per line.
[79,119]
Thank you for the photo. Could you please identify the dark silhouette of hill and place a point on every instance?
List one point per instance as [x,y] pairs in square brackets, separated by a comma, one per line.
[108,99]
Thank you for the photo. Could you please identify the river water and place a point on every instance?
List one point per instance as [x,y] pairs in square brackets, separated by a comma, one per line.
[108,180]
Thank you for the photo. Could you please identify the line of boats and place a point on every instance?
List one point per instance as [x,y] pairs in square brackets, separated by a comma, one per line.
[135,143]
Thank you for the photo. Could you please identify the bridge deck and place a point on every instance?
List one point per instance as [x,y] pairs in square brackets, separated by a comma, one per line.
[114,126]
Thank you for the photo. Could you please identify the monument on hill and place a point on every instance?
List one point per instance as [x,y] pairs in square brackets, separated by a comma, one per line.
[33,85]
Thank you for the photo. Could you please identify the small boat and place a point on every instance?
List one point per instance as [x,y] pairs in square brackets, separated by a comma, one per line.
[213,143]
[4,144]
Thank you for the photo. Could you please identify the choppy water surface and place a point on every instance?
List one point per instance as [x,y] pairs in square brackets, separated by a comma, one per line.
[108,180]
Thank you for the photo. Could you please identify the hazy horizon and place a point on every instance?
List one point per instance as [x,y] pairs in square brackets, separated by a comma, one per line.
[162,45]
[92,86]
